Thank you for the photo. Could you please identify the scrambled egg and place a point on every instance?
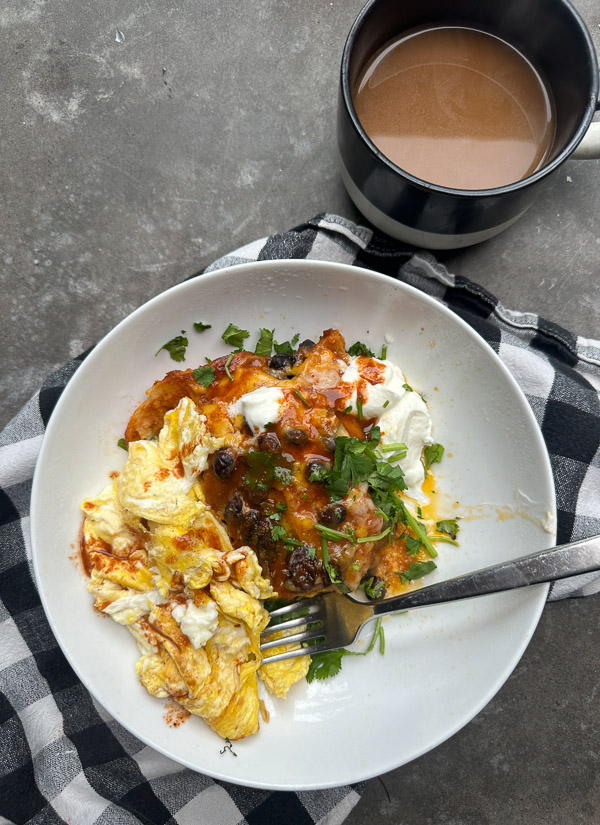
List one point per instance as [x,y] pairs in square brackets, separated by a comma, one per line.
[162,565]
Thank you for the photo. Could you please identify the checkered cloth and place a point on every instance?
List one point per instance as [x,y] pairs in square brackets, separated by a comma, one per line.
[62,758]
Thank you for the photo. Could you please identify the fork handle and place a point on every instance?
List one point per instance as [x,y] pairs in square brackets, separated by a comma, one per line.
[544,566]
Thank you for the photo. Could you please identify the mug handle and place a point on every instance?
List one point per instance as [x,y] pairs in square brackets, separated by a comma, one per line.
[589,148]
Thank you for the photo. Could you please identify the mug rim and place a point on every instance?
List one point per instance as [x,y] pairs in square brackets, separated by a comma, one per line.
[563,155]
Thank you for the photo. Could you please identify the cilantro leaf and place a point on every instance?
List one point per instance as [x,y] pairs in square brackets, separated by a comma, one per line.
[449,526]
[200,327]
[326,664]
[122,444]
[373,587]
[287,346]
[278,532]
[235,337]
[432,453]
[176,347]
[264,344]
[416,570]
[358,348]
[204,376]
[412,546]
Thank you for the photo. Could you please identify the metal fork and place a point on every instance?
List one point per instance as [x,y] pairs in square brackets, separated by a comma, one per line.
[332,620]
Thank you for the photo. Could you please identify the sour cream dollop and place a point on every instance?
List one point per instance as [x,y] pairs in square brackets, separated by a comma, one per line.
[401,413]
[261,407]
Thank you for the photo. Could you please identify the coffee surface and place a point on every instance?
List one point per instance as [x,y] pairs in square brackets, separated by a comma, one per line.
[457,107]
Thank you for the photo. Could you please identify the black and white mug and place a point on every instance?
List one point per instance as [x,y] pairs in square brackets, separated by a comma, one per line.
[551,34]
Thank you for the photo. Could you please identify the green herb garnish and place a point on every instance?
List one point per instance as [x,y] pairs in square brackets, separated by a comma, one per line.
[329,663]
[204,376]
[227,363]
[449,526]
[416,570]
[122,444]
[358,348]
[301,398]
[432,453]
[200,327]
[264,345]
[176,347]
[228,747]
[235,337]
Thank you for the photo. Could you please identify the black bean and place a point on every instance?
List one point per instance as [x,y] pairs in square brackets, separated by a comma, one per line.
[373,586]
[248,523]
[263,540]
[296,436]
[224,462]
[234,509]
[333,514]
[268,442]
[257,493]
[302,568]
[329,443]
[281,361]
[317,470]
[307,344]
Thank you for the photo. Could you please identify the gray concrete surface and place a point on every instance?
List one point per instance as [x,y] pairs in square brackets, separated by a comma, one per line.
[127,166]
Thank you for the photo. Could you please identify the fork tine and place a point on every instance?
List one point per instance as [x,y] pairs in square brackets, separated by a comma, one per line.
[293,654]
[276,628]
[314,633]
[292,606]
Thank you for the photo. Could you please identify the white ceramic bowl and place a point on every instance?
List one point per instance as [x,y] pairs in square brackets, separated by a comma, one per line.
[441,665]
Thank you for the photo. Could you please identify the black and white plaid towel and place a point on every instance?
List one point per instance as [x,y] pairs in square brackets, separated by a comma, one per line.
[62,758]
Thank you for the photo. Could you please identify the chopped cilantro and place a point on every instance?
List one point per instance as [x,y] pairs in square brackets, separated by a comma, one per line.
[358,348]
[331,571]
[326,664]
[235,337]
[410,521]
[320,474]
[416,570]
[286,346]
[408,388]
[329,663]
[348,409]
[432,453]
[413,545]
[336,535]
[227,363]
[176,347]
[278,532]
[228,747]
[264,345]
[301,398]
[200,327]
[359,407]
[204,376]
[264,468]
[373,587]
[449,526]
[122,444]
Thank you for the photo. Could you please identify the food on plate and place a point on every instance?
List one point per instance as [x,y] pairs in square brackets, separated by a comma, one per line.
[258,476]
